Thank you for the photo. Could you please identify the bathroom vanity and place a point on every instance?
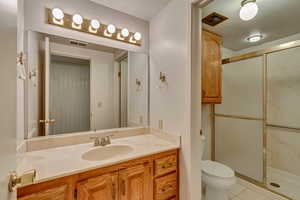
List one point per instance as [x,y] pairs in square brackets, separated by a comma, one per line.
[142,167]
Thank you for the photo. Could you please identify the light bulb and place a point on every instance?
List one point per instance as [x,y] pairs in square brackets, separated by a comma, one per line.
[77,19]
[57,13]
[111,29]
[248,10]
[255,38]
[95,24]
[125,32]
[137,36]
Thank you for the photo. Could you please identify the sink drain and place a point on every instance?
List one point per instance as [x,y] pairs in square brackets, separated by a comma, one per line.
[275,185]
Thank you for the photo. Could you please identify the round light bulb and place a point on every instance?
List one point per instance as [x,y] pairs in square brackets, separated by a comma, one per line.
[95,24]
[125,32]
[248,10]
[111,28]
[255,38]
[57,13]
[137,36]
[77,19]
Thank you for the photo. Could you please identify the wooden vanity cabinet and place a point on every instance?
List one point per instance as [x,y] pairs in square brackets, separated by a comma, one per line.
[153,177]
[211,68]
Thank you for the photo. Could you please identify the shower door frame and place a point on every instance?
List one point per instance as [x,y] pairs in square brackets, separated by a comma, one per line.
[264,53]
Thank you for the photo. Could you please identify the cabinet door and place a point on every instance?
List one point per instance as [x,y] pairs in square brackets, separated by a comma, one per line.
[99,188]
[57,193]
[136,183]
[211,68]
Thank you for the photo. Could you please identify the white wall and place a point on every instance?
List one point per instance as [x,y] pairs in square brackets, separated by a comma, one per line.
[138,96]
[34,61]
[20,83]
[35,20]
[8,51]
[170,52]
[102,83]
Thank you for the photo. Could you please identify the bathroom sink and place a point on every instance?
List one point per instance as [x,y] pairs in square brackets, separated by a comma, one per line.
[104,153]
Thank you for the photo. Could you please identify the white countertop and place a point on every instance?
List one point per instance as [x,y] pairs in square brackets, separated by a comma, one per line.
[63,161]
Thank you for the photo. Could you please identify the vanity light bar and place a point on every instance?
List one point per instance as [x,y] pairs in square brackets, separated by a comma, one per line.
[93,27]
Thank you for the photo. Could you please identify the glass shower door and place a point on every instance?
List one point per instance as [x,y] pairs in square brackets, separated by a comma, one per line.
[283,121]
[239,119]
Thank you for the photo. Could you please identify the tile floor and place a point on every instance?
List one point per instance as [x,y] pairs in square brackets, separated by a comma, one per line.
[247,191]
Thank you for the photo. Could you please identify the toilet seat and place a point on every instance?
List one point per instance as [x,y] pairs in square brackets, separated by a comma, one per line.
[217,169]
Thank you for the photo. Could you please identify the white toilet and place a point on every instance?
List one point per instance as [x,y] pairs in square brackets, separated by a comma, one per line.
[217,179]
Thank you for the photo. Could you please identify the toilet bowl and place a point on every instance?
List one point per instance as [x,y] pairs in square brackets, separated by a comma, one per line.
[218,180]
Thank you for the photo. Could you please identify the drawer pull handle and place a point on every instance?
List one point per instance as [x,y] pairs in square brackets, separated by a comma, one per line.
[167,165]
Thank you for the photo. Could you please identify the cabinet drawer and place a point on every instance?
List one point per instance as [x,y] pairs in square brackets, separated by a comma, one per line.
[166,187]
[165,165]
[57,193]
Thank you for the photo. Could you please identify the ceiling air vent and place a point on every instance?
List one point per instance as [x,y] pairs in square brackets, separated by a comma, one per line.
[214,19]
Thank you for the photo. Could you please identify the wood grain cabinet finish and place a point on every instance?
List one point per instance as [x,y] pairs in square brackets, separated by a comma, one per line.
[56,193]
[101,187]
[135,183]
[211,68]
[153,177]
[166,187]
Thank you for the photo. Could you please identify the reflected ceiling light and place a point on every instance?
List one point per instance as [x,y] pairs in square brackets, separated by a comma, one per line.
[57,13]
[95,24]
[248,10]
[125,32]
[137,36]
[111,29]
[77,19]
[254,38]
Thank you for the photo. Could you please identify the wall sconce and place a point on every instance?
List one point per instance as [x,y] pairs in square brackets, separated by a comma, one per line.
[76,22]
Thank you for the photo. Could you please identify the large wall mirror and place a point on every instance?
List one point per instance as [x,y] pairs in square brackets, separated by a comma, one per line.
[75,86]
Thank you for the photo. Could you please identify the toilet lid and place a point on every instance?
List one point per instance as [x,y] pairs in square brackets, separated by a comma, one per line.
[217,169]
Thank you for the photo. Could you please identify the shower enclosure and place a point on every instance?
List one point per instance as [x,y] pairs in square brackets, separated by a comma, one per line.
[256,129]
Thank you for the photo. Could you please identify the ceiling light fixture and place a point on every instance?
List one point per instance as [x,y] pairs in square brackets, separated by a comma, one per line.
[248,10]
[254,38]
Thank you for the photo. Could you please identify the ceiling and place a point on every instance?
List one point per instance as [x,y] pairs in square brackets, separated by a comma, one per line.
[144,9]
[275,20]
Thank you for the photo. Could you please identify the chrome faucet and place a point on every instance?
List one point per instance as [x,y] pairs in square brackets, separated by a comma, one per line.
[103,141]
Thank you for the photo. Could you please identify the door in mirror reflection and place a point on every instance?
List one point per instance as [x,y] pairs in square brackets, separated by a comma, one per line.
[69,103]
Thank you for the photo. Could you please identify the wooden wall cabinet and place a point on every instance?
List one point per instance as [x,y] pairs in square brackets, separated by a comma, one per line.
[211,68]
[150,178]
